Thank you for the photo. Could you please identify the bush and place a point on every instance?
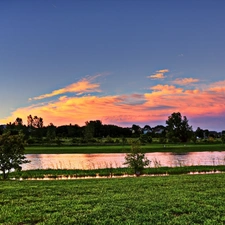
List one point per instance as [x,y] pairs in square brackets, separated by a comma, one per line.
[136,159]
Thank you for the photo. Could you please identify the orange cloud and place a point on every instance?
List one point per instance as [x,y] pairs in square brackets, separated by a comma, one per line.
[156,105]
[218,86]
[185,81]
[82,86]
[166,89]
[159,74]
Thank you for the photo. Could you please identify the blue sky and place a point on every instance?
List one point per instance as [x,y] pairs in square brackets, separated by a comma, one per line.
[123,62]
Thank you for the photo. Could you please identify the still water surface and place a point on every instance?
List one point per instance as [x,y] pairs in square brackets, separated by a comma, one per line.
[95,161]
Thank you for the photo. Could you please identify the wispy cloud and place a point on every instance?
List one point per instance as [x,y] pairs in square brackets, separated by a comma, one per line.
[83,86]
[159,74]
[185,81]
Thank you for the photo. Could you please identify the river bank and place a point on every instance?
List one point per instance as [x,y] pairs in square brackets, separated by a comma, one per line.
[148,148]
[113,172]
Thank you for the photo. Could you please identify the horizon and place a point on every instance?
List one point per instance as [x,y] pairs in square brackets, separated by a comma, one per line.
[120,62]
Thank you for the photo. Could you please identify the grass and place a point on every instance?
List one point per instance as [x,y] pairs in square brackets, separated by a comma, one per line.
[122,149]
[110,172]
[171,200]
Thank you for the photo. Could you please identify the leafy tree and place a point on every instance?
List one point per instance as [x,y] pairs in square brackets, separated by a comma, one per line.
[136,159]
[199,133]
[11,153]
[89,131]
[178,128]
[223,138]
[51,132]
[145,138]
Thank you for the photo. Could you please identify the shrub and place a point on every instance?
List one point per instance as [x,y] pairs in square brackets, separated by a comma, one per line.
[136,159]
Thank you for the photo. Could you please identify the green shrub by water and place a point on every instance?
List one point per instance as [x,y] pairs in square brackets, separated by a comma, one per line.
[110,172]
[171,200]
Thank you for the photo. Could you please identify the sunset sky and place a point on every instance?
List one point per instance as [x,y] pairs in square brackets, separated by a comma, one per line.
[122,62]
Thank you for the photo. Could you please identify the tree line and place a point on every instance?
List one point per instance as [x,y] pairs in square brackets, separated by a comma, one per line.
[177,130]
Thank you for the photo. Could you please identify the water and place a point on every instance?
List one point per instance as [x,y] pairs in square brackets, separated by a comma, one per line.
[96,161]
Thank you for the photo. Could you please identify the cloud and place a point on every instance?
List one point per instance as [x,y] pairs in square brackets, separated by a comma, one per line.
[159,74]
[185,81]
[166,89]
[83,86]
[153,106]
[218,86]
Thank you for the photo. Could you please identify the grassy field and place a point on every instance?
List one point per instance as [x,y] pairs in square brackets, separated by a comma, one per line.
[123,149]
[178,199]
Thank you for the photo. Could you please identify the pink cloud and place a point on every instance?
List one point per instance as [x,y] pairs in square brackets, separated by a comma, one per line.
[185,81]
[155,105]
[159,74]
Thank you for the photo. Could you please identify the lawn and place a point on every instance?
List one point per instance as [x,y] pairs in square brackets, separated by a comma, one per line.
[177,199]
[122,149]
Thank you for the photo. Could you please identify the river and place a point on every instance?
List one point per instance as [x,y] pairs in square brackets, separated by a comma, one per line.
[96,161]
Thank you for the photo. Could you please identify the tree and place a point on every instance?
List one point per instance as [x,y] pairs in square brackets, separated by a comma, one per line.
[11,153]
[199,133]
[178,128]
[145,138]
[51,132]
[223,138]
[136,159]
[18,121]
[36,122]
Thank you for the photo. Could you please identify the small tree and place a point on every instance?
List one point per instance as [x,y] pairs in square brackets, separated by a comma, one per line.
[136,159]
[11,153]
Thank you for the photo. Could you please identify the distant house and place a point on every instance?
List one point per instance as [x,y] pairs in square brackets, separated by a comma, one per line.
[214,134]
[3,126]
[159,129]
[147,129]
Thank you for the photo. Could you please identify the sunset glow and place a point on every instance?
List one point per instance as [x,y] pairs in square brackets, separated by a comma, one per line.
[114,61]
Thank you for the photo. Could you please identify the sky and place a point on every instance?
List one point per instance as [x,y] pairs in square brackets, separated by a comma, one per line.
[122,62]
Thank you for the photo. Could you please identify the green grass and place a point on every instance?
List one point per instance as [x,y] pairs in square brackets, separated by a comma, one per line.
[186,199]
[123,149]
[109,172]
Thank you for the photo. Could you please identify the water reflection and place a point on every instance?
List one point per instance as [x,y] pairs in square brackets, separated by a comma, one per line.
[95,161]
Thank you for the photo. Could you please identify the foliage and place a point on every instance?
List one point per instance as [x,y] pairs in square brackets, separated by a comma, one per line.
[11,153]
[145,138]
[136,158]
[223,138]
[178,128]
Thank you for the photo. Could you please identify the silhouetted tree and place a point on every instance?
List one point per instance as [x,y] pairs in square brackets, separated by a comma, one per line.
[178,128]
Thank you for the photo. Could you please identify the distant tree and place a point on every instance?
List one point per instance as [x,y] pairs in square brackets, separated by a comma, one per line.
[51,132]
[29,121]
[223,138]
[36,122]
[11,153]
[178,128]
[136,159]
[145,138]
[136,130]
[89,131]
[199,133]
[18,121]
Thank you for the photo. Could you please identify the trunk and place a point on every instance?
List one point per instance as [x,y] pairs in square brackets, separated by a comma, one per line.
[4,174]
